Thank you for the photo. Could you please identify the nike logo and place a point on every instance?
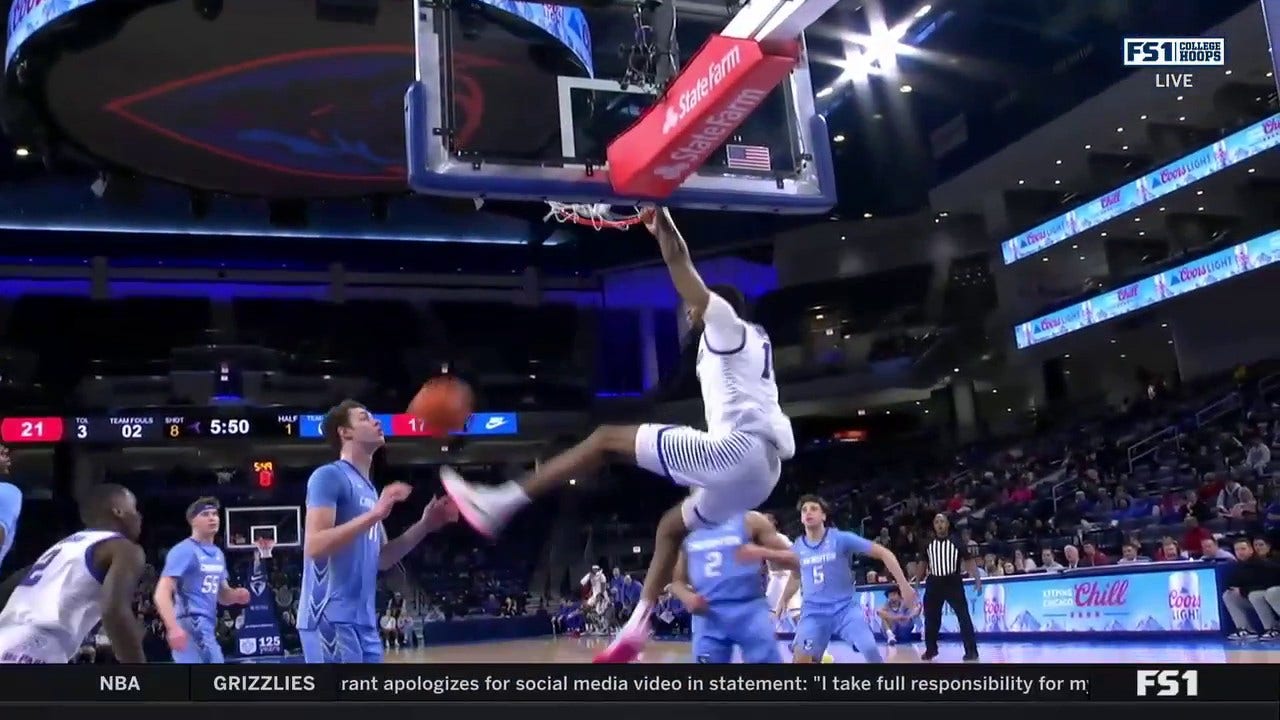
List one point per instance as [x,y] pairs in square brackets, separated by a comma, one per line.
[494,422]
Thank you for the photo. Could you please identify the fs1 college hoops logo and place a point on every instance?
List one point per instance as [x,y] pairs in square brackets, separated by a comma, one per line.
[1168,683]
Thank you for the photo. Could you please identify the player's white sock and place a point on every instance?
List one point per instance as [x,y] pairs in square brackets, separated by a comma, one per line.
[639,619]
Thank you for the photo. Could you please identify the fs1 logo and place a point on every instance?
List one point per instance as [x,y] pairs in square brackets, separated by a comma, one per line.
[1175,52]
[1169,683]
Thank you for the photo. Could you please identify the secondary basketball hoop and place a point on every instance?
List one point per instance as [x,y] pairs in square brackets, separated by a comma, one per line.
[594,215]
[265,545]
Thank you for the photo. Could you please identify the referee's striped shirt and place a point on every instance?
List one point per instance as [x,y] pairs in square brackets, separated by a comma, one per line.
[946,557]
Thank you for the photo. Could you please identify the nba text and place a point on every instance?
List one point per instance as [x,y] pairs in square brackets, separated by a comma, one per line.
[1168,683]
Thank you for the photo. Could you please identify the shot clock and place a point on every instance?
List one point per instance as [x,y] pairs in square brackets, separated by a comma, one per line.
[264,472]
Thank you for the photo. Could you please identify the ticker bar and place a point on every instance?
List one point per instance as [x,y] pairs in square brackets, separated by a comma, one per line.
[640,683]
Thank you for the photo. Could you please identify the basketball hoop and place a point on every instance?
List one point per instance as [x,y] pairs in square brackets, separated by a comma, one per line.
[264,547]
[598,215]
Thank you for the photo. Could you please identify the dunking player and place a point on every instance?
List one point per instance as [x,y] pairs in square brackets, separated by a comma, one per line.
[717,577]
[778,575]
[89,577]
[732,467]
[192,584]
[346,545]
[826,574]
[10,506]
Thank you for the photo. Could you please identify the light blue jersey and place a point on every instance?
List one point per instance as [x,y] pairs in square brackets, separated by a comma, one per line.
[337,618]
[199,571]
[10,509]
[829,609]
[737,612]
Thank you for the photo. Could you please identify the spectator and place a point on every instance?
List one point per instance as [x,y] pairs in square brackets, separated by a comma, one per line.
[284,596]
[1093,557]
[1253,582]
[1169,551]
[1210,551]
[1235,500]
[1022,563]
[1195,536]
[1071,556]
[388,625]
[1049,562]
[1257,455]
[1130,553]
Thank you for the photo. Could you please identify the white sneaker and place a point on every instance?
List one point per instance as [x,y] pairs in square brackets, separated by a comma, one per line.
[479,506]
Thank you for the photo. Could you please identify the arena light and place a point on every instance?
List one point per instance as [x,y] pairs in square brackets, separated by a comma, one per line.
[22,152]
[925,10]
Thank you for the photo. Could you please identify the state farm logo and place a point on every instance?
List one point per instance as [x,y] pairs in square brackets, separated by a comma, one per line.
[704,86]
[709,135]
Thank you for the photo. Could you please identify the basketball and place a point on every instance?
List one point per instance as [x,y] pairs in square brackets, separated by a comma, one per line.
[443,403]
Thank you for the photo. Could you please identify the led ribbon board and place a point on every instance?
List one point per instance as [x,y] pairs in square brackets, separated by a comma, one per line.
[1235,148]
[1174,282]
[28,16]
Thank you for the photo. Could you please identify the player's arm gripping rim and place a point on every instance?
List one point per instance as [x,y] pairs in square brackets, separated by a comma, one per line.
[680,588]
[123,561]
[675,253]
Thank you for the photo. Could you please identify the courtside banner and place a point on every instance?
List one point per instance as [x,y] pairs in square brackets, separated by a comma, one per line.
[723,83]
[547,683]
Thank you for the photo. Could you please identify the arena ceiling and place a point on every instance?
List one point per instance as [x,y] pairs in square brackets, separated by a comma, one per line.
[895,76]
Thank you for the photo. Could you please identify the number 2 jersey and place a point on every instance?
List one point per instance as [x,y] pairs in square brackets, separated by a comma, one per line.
[55,607]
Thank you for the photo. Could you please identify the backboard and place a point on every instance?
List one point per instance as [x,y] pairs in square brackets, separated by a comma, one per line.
[519,101]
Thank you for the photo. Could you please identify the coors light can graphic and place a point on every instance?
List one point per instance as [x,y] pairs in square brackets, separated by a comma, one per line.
[1184,602]
[993,607]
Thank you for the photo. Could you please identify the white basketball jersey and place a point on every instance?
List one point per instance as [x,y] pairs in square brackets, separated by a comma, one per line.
[740,391]
[774,568]
[50,614]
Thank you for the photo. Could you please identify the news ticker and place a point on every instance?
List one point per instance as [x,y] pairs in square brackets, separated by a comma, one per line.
[637,683]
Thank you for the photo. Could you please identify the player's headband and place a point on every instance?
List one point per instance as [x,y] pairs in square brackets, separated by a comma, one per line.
[195,510]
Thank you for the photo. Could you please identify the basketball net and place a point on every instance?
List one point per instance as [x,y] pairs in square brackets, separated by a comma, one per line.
[264,547]
[593,215]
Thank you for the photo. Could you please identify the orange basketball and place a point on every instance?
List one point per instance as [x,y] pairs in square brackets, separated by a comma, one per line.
[443,403]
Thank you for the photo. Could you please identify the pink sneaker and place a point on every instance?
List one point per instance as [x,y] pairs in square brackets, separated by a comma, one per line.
[478,506]
[624,649]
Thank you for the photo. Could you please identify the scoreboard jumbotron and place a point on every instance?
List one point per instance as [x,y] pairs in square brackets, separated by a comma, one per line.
[155,427]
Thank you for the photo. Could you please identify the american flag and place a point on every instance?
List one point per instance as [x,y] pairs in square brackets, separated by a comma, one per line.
[748,157]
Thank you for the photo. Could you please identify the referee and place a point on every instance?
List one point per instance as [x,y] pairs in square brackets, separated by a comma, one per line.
[945,557]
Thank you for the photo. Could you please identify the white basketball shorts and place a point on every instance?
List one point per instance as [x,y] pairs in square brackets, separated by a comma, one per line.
[729,474]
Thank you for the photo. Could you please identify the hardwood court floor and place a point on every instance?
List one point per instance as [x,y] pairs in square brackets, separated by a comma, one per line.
[573,650]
